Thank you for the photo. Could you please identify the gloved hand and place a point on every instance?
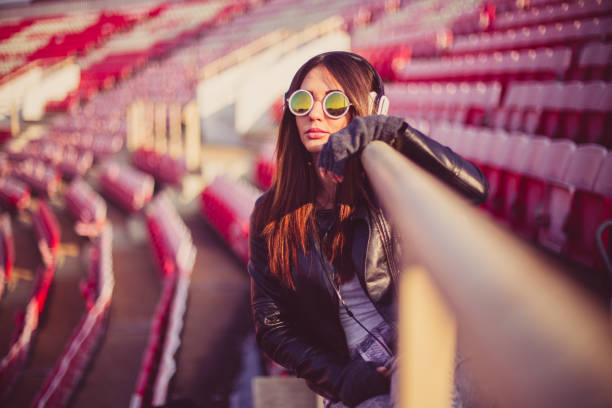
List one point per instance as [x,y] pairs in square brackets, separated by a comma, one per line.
[361,381]
[353,138]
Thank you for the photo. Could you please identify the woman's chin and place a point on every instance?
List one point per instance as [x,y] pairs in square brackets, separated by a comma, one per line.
[314,146]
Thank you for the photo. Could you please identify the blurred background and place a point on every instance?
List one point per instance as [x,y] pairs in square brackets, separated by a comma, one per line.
[136,136]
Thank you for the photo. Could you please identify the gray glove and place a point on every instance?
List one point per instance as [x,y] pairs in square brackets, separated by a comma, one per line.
[353,138]
[361,381]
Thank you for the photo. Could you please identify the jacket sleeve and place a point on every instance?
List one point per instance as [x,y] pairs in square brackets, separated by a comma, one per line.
[451,168]
[439,160]
[275,330]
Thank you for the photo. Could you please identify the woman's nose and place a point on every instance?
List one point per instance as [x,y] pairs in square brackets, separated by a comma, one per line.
[317,110]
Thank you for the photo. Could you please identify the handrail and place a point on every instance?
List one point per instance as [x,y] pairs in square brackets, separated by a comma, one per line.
[532,339]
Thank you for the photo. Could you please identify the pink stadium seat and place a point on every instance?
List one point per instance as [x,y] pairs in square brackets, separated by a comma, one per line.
[265,167]
[463,140]
[532,114]
[500,151]
[7,250]
[227,204]
[581,173]
[595,62]
[551,117]
[532,189]
[87,207]
[540,64]
[550,34]
[41,177]
[589,209]
[163,167]
[14,194]
[126,186]
[514,150]
[574,103]
[598,126]
[481,146]
[524,157]
[580,111]
[464,102]
[553,12]
[496,151]
[47,231]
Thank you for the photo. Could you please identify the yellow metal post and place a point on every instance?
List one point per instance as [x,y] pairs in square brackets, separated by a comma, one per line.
[427,341]
[161,142]
[192,135]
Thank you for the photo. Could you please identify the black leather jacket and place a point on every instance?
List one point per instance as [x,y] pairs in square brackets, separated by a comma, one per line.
[301,329]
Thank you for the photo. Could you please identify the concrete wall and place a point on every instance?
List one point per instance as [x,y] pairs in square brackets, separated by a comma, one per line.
[235,101]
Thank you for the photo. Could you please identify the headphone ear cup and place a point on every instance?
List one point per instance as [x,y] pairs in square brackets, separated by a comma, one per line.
[371,102]
[383,105]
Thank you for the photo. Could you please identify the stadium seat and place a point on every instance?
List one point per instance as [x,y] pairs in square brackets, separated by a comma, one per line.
[526,156]
[492,158]
[464,102]
[554,11]
[531,191]
[598,126]
[512,153]
[540,64]
[14,194]
[227,205]
[87,207]
[581,172]
[480,149]
[589,209]
[544,35]
[126,186]
[594,62]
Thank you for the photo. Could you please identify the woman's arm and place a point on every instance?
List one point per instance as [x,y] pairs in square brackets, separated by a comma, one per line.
[439,160]
[277,336]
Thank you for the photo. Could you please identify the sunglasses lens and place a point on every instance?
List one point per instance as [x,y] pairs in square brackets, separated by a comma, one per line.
[300,102]
[336,104]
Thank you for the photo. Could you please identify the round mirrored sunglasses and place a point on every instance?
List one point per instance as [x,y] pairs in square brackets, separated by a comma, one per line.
[335,104]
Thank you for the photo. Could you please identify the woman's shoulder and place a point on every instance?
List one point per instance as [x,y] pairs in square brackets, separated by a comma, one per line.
[260,202]
[257,215]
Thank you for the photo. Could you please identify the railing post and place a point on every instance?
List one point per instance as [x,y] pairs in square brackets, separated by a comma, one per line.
[532,338]
[427,340]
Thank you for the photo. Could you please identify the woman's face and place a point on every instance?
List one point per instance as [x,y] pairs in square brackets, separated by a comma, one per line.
[315,127]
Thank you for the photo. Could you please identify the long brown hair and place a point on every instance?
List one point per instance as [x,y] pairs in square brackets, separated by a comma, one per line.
[286,214]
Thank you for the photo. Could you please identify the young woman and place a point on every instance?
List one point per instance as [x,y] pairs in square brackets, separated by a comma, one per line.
[323,276]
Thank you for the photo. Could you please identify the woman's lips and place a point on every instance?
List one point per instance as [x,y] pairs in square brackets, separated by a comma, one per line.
[316,133]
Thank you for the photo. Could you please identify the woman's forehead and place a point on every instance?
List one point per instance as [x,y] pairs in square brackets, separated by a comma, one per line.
[319,79]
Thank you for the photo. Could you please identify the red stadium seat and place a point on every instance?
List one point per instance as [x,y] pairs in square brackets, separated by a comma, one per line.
[265,167]
[598,126]
[514,150]
[594,62]
[128,187]
[544,35]
[14,194]
[589,209]
[494,160]
[87,207]
[553,12]
[532,189]
[482,144]
[540,64]
[227,206]
[581,173]
[525,157]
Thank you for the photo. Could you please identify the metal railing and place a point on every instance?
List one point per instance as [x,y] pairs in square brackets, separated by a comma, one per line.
[529,337]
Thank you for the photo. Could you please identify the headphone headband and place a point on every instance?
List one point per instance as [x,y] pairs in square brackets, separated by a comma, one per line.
[381,102]
[377,79]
